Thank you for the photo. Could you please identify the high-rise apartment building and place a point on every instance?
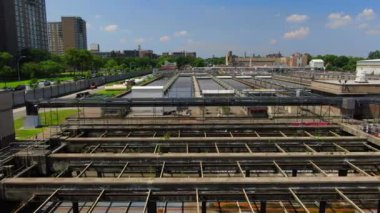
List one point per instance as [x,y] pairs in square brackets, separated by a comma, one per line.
[70,33]
[22,25]
[55,36]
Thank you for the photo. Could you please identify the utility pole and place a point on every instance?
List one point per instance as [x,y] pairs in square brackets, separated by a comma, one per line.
[18,66]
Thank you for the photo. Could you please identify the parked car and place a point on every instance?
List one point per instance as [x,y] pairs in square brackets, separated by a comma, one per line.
[44,83]
[20,87]
[93,85]
[8,89]
[82,94]
[47,83]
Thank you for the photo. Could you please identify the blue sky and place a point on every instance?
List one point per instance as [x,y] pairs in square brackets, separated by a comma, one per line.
[212,27]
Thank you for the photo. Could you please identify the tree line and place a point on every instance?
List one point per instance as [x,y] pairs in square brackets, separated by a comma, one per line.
[339,63]
[37,63]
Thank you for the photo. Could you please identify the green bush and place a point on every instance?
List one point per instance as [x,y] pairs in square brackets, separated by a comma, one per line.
[33,83]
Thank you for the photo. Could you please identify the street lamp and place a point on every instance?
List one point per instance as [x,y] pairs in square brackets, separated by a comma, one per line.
[18,67]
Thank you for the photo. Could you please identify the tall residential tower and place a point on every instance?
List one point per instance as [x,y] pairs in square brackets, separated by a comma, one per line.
[22,25]
[70,33]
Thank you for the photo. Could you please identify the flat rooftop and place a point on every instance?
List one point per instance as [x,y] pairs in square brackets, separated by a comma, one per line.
[346,88]
[351,82]
[147,87]
[218,92]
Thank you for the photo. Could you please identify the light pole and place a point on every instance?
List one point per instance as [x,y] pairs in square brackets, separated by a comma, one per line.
[18,67]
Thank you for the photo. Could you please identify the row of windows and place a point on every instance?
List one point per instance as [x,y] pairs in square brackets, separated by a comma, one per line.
[31,23]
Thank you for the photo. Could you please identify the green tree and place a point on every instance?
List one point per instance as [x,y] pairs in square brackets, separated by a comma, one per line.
[340,61]
[35,55]
[58,58]
[183,61]
[30,69]
[7,72]
[215,61]
[50,68]
[198,62]
[78,59]
[161,61]
[111,65]
[98,62]
[374,55]
[5,59]
[33,83]
[72,59]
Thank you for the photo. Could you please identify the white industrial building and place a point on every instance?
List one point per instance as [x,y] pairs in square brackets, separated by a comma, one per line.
[147,92]
[317,64]
[369,67]
[150,92]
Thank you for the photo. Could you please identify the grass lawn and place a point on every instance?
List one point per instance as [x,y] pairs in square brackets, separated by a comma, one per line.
[114,93]
[47,119]
[111,93]
[13,84]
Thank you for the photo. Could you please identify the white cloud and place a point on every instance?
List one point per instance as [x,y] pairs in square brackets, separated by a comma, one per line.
[367,14]
[165,38]
[300,33]
[111,28]
[373,32]
[337,20]
[181,33]
[273,42]
[139,40]
[297,18]
[98,16]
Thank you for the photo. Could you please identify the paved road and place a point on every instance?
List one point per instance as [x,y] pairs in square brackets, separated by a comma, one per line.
[21,112]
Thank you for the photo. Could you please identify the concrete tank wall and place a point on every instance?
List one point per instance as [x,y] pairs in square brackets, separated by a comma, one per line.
[7,131]
[18,98]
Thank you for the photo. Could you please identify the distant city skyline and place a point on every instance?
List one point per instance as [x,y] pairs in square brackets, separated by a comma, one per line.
[213,27]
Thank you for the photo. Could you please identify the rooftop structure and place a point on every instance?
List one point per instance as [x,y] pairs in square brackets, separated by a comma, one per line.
[95,48]
[317,64]
[232,60]
[369,67]
[347,87]
[184,54]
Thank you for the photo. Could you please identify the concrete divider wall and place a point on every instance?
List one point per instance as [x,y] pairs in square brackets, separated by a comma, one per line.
[69,88]
[7,131]
[76,86]
[54,91]
[38,93]
[61,89]
[27,96]
[46,92]
[19,97]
